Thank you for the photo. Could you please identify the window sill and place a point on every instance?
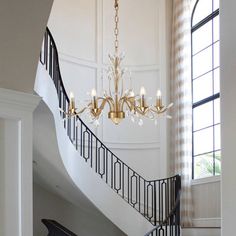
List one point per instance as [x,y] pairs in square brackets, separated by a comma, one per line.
[206,180]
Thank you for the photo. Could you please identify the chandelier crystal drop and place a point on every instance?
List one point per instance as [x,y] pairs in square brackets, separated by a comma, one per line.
[121,102]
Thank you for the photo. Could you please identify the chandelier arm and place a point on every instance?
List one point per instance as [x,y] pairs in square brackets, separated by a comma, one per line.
[160,111]
[81,111]
[163,110]
[130,102]
[137,108]
[155,111]
[111,101]
[101,98]
[108,100]
[104,101]
[125,100]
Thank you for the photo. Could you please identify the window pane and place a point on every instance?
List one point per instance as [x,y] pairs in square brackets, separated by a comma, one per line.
[216,28]
[218,163]
[217,137]
[216,55]
[217,111]
[202,37]
[216,81]
[203,116]
[202,62]
[203,141]
[203,166]
[215,4]
[203,9]
[205,83]
[202,87]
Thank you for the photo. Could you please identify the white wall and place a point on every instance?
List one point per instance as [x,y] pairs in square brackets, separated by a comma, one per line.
[47,205]
[9,184]
[22,26]
[206,195]
[2,175]
[83,31]
[228,114]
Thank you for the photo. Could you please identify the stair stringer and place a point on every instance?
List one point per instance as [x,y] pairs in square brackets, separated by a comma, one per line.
[98,192]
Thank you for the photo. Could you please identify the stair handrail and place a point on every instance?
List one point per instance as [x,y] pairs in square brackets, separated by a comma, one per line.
[154,199]
[55,228]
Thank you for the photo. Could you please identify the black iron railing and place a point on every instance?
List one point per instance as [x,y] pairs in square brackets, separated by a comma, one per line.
[154,199]
[171,225]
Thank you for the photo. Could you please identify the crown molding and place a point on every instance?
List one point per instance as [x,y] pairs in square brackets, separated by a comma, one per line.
[18,100]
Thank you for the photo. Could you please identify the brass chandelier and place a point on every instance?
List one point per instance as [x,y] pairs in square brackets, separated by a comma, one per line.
[121,102]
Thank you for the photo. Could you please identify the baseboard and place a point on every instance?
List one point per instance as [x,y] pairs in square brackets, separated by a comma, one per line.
[207,222]
[201,232]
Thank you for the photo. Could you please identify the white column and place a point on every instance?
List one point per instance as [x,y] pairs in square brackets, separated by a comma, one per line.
[16,114]
[228,114]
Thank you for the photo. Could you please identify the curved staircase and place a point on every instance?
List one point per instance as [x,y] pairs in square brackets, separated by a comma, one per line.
[136,205]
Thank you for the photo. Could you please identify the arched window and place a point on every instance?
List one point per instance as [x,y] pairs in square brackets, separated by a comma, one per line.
[206,89]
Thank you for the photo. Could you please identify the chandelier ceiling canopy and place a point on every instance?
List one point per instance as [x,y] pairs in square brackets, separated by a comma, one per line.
[120,101]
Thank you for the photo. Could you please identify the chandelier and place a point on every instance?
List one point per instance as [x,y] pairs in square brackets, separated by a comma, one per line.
[121,102]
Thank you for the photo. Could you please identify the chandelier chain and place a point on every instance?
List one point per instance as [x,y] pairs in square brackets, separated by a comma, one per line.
[116,31]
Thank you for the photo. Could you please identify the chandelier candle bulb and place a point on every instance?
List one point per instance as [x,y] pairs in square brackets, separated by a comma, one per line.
[142,95]
[72,103]
[159,99]
[94,99]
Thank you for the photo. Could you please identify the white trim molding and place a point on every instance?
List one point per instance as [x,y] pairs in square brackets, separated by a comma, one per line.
[18,100]
[16,113]
[207,222]
[206,180]
[205,231]
[133,146]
